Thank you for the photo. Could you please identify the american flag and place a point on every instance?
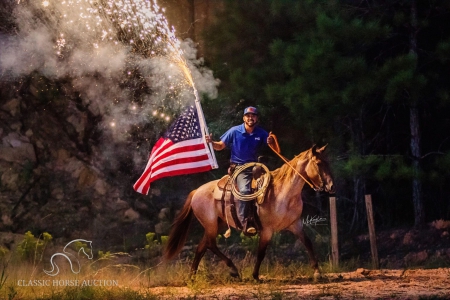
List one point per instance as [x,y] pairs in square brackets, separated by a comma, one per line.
[182,150]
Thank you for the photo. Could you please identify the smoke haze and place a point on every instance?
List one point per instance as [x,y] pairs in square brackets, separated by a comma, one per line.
[119,73]
[77,42]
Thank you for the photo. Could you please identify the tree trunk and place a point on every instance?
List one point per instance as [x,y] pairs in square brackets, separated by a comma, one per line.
[359,181]
[419,215]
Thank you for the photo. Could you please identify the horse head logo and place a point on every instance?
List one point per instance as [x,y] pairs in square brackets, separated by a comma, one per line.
[70,257]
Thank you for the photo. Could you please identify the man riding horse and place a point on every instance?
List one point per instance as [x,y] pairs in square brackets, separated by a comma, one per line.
[246,141]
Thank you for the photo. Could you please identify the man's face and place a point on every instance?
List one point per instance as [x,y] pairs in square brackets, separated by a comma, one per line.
[250,119]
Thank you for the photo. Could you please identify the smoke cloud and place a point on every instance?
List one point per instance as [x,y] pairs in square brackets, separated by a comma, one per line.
[118,57]
[75,41]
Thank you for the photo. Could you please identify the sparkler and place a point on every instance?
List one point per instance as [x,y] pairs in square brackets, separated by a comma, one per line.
[140,24]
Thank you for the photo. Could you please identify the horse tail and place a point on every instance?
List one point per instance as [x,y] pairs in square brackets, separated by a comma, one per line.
[180,228]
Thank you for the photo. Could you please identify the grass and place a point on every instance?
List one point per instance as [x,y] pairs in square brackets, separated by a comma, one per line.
[167,281]
[106,276]
[3,276]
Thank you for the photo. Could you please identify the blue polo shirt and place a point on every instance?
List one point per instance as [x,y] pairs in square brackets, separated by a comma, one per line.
[244,146]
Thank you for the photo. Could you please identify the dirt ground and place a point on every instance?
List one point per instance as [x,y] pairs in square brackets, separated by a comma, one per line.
[360,284]
[399,250]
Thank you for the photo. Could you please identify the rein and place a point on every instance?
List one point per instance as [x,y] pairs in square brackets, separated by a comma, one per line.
[274,149]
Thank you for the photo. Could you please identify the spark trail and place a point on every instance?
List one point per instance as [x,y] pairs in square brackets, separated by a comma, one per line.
[119,57]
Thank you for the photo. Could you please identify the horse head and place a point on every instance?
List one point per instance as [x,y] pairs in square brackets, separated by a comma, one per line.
[88,252]
[84,246]
[318,170]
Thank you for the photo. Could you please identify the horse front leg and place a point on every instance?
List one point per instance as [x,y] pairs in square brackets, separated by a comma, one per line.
[297,229]
[264,240]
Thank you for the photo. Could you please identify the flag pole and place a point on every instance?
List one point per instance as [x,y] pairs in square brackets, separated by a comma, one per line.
[201,118]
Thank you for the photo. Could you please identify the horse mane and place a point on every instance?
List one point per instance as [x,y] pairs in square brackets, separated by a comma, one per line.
[285,172]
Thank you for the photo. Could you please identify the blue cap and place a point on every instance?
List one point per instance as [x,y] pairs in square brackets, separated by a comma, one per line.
[250,110]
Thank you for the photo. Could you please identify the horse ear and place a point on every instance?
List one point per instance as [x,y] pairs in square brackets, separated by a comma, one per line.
[322,149]
[314,149]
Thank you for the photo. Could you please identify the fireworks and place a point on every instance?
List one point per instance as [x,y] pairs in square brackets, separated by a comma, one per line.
[137,24]
[121,57]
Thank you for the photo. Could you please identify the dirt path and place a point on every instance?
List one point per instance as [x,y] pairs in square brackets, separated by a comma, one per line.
[361,284]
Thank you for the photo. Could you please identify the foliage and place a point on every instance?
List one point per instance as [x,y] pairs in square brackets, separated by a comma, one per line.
[104,255]
[3,276]
[249,243]
[79,245]
[32,248]
[3,252]
[164,240]
[153,246]
[347,74]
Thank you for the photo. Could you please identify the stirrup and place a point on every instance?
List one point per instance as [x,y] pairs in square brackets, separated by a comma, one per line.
[251,230]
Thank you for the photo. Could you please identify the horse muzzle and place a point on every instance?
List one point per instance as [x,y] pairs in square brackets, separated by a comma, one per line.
[318,189]
[330,188]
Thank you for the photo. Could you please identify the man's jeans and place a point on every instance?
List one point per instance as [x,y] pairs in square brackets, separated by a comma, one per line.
[244,181]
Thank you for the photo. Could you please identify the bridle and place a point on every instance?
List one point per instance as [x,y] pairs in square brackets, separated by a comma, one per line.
[317,188]
[313,186]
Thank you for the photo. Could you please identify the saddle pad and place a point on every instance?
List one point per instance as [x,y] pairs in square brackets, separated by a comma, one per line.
[223,181]
[218,189]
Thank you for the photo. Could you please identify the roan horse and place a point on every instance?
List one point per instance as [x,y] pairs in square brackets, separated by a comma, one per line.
[282,209]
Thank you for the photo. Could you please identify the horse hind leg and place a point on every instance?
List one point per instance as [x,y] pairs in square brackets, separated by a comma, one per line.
[209,242]
[199,252]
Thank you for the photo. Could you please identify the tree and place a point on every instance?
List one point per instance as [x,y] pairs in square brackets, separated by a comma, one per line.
[345,72]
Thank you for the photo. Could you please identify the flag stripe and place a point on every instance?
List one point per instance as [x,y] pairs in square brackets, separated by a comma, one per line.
[188,162]
[170,149]
[175,152]
[180,171]
[143,183]
[182,150]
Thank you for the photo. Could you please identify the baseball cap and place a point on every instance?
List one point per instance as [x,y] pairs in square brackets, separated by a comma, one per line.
[250,110]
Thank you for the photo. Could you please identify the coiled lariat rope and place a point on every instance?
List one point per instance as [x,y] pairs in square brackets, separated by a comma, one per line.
[260,192]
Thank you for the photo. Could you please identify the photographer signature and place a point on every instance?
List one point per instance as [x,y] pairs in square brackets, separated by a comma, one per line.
[314,220]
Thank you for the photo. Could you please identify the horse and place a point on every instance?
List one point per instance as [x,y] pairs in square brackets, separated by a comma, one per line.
[281,210]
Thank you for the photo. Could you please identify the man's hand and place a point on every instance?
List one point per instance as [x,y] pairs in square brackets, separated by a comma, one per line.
[273,143]
[216,145]
[208,138]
